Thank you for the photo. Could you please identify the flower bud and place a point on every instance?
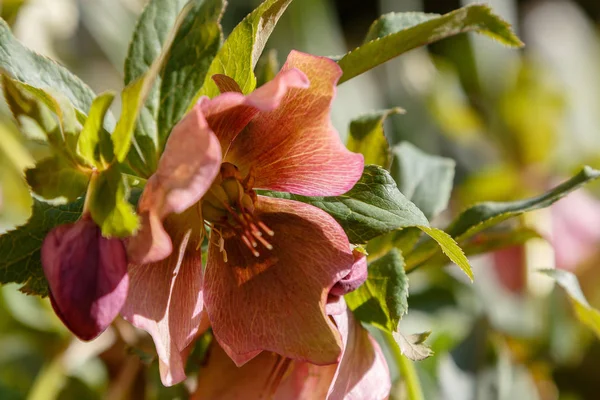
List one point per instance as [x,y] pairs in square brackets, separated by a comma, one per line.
[87,274]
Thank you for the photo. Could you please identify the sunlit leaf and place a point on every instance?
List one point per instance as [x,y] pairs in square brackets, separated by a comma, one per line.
[450,248]
[382,300]
[367,137]
[107,201]
[55,178]
[94,144]
[396,34]
[374,206]
[242,49]
[588,315]
[424,179]
[413,346]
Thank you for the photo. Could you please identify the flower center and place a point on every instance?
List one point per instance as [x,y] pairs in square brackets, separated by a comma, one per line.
[228,208]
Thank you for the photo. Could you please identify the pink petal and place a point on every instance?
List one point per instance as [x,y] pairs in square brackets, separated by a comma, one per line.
[165,299]
[575,229]
[230,112]
[510,268]
[87,274]
[294,148]
[276,302]
[186,170]
[356,277]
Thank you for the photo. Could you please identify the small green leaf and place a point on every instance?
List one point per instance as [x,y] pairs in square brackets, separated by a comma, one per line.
[28,67]
[586,314]
[54,178]
[135,93]
[107,201]
[242,49]
[450,248]
[424,179]
[395,34]
[382,299]
[367,137]
[483,215]
[94,144]
[15,199]
[374,206]
[20,248]
[413,346]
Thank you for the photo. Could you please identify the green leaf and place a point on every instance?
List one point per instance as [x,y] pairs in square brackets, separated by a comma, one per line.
[397,33]
[382,299]
[483,215]
[28,67]
[107,202]
[242,49]
[54,178]
[450,248]
[135,93]
[185,71]
[15,199]
[194,46]
[413,346]
[374,206]
[367,137]
[424,179]
[20,248]
[586,314]
[267,67]
[94,144]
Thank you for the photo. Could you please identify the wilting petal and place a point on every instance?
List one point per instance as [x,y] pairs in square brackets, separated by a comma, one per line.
[575,229]
[294,148]
[356,277]
[87,274]
[276,302]
[230,112]
[165,299]
[187,168]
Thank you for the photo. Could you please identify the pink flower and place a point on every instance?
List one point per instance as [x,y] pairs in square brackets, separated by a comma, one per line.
[271,262]
[361,374]
[87,274]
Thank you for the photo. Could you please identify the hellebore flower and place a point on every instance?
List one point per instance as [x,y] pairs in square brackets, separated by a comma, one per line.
[87,275]
[361,374]
[271,262]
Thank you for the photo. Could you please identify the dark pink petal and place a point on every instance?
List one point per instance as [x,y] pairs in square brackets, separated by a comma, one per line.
[230,112]
[356,277]
[294,148]
[165,299]
[87,275]
[276,302]
[511,269]
[187,168]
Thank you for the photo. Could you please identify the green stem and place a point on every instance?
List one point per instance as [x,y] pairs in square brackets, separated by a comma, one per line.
[407,369]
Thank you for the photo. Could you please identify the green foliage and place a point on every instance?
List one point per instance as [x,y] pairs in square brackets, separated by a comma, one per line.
[194,44]
[413,346]
[450,248]
[20,248]
[586,314]
[56,178]
[382,299]
[483,215]
[243,47]
[94,143]
[396,34]
[367,137]
[107,201]
[424,179]
[374,206]
[40,72]
[267,67]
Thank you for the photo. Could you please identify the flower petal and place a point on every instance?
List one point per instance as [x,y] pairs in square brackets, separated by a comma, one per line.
[294,148]
[356,277]
[287,287]
[165,299]
[187,168]
[230,112]
[87,275]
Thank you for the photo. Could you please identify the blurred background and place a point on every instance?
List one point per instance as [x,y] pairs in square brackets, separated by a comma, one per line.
[515,122]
